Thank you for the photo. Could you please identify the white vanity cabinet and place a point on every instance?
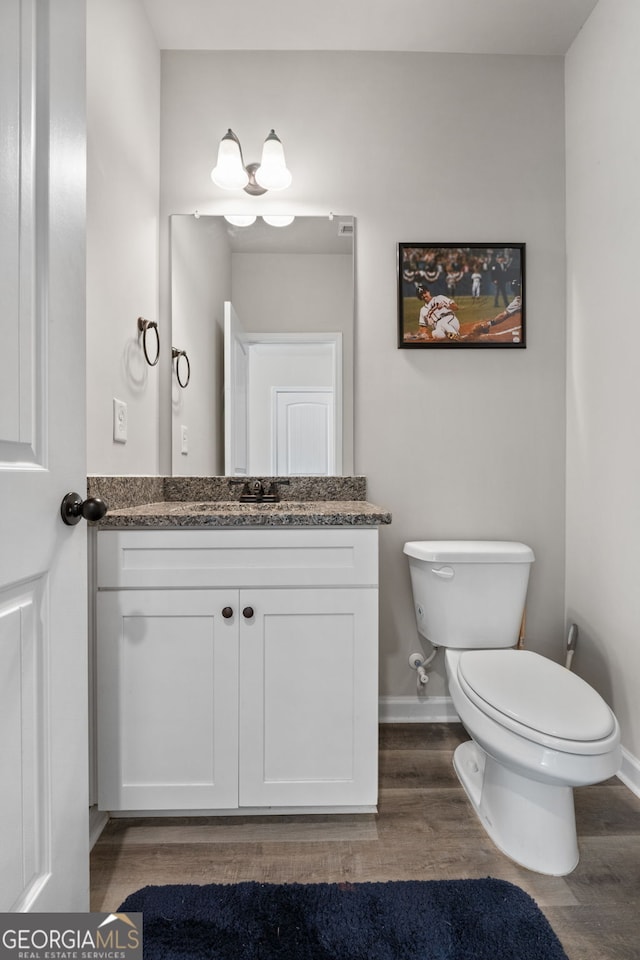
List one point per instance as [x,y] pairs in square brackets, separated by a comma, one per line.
[237,668]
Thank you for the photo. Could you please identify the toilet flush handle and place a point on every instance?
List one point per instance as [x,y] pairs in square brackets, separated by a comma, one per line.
[445,573]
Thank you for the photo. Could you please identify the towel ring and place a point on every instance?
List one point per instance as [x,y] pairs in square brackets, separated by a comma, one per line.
[144,326]
[175,355]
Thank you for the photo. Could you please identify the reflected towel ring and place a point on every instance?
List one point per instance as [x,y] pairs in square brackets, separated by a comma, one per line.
[175,355]
[144,326]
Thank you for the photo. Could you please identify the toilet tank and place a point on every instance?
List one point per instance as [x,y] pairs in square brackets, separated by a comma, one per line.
[469,593]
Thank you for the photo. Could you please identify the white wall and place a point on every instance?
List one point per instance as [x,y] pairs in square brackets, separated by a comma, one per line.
[123,133]
[419,147]
[201,268]
[603,397]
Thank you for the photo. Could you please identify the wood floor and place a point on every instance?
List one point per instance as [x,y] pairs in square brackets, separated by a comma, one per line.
[424,829]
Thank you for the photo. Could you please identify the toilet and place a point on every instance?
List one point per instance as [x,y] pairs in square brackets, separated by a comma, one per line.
[537,729]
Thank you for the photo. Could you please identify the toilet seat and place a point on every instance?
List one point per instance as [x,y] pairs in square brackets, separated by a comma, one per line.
[537,699]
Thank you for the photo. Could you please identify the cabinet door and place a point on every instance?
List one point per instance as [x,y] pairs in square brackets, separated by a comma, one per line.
[167,699]
[309,697]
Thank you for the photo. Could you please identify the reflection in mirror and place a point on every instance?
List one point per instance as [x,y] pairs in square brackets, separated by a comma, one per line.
[291,289]
[282,402]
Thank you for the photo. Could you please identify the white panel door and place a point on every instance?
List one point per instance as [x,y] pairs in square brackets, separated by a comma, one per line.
[303,431]
[167,668]
[308,697]
[44,856]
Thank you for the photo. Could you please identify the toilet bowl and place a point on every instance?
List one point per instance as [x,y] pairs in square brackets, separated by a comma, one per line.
[537,729]
[520,768]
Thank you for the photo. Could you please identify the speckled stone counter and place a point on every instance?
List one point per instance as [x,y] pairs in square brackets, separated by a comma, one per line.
[161,503]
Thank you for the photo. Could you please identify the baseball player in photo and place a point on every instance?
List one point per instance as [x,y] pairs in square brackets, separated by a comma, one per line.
[437,314]
[514,307]
[483,328]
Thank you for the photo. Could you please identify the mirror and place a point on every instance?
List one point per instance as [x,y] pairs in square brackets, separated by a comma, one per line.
[296,280]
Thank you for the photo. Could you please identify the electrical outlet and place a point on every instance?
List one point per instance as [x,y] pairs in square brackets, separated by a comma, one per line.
[120,421]
[184,434]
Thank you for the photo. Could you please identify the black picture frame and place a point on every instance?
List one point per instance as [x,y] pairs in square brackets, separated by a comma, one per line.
[482,296]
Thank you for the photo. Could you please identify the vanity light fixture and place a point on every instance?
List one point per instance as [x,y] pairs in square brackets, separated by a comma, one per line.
[231,173]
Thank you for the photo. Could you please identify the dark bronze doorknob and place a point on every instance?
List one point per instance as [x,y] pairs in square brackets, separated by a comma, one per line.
[247,613]
[73,508]
[227,612]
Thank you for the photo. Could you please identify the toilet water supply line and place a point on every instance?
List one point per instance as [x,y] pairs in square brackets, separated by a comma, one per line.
[418,663]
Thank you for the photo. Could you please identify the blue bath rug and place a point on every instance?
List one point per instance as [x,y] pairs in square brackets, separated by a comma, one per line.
[401,920]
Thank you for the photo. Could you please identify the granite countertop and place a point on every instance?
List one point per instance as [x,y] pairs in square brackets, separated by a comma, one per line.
[167,502]
[230,513]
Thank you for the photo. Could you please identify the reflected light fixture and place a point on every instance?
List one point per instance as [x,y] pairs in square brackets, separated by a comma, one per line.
[230,171]
[281,220]
[246,220]
[240,220]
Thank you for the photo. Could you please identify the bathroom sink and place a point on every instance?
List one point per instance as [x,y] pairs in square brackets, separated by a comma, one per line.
[213,506]
[210,506]
[236,506]
[230,506]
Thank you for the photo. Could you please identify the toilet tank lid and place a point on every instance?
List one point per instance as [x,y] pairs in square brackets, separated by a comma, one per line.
[469,551]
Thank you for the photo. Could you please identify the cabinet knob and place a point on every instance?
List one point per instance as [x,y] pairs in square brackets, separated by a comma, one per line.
[227,612]
[247,613]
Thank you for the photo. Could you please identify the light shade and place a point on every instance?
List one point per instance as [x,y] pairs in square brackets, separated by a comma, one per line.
[229,172]
[272,174]
[240,219]
[280,220]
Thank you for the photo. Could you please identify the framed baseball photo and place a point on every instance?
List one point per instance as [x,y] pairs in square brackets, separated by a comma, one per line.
[453,295]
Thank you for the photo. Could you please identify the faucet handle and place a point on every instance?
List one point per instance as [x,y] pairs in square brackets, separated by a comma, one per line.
[273,493]
[245,492]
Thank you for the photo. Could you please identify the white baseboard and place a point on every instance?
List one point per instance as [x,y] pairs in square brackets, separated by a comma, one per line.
[97,822]
[416,710]
[629,772]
